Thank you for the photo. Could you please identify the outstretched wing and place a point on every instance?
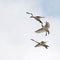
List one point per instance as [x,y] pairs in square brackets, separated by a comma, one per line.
[29,13]
[47,24]
[39,17]
[34,40]
[40,30]
[46,46]
[37,45]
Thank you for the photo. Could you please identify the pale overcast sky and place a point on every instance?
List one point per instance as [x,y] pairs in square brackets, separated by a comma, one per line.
[16,30]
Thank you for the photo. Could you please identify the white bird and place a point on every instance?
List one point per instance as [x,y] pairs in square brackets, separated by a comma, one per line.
[42,43]
[44,28]
[36,17]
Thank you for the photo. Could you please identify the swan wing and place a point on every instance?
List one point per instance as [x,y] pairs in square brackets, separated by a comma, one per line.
[37,45]
[47,24]
[40,30]
[34,40]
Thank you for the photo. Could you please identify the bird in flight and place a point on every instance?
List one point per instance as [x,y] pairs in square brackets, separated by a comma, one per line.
[36,17]
[42,43]
[44,28]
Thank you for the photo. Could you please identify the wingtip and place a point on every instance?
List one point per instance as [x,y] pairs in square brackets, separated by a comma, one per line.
[36,31]
[31,39]
[27,12]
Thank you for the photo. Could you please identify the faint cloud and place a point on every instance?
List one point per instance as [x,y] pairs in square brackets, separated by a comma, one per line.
[51,7]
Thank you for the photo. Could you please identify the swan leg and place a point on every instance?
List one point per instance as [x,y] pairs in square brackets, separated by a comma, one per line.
[46,34]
